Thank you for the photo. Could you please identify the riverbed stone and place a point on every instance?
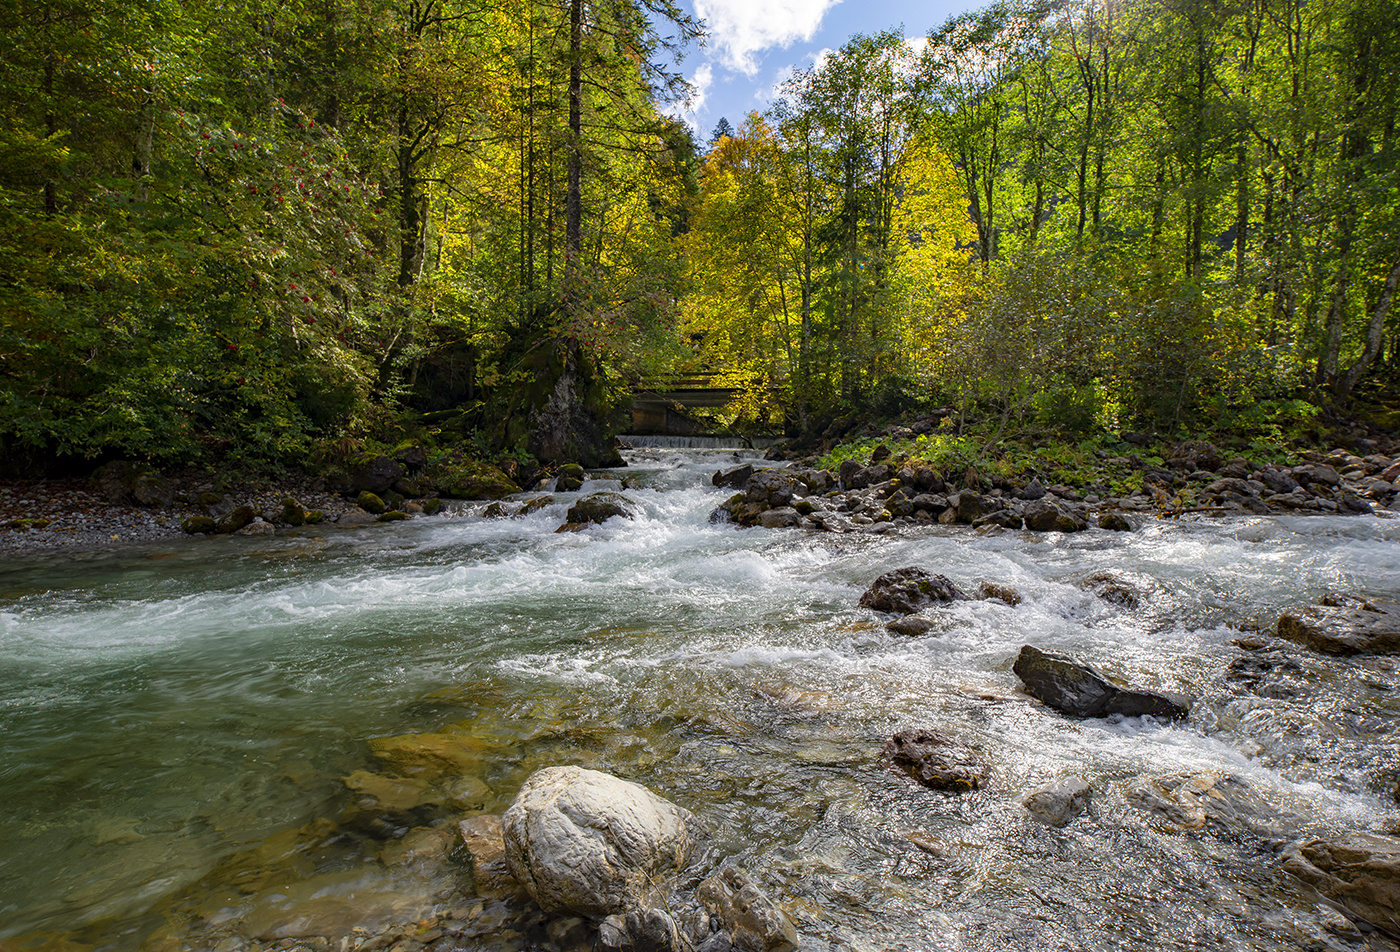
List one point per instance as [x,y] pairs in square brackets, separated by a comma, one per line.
[596,509]
[1358,870]
[908,590]
[1046,515]
[588,842]
[911,626]
[236,519]
[1078,690]
[1115,522]
[481,844]
[199,524]
[782,518]
[1348,626]
[771,488]
[753,922]
[935,760]
[734,479]
[432,756]
[999,592]
[1056,804]
[354,518]
[1210,800]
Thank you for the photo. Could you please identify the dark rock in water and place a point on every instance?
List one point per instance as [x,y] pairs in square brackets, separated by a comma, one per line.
[753,922]
[1057,803]
[1115,522]
[905,591]
[1348,626]
[1221,803]
[783,517]
[734,479]
[1080,691]
[1044,515]
[935,761]
[570,478]
[771,488]
[1360,871]
[534,505]
[597,508]
[1002,593]
[1114,588]
[1002,518]
[911,625]
[369,502]
[972,506]
[375,474]
[293,512]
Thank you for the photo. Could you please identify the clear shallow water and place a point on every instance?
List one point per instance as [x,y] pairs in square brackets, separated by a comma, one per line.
[162,710]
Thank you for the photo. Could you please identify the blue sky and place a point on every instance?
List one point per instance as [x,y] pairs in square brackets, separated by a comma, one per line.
[754,44]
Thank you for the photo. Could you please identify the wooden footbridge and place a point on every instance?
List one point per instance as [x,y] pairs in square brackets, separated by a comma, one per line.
[659,406]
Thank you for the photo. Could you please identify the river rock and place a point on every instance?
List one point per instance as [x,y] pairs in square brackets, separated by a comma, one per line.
[1360,871]
[754,922]
[1055,804]
[771,488]
[1115,522]
[1032,491]
[1001,593]
[911,626]
[648,929]
[1348,626]
[236,519]
[783,517]
[588,842]
[596,509]
[1046,515]
[354,518]
[734,479]
[370,503]
[1222,803]
[905,591]
[972,506]
[481,843]
[199,524]
[935,761]
[1080,691]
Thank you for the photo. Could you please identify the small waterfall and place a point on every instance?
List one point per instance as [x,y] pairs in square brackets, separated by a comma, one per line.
[697,442]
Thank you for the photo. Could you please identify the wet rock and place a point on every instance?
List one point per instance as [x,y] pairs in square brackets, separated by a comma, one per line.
[380,794]
[771,488]
[734,479]
[481,845]
[935,761]
[640,930]
[1359,871]
[472,480]
[597,508]
[1045,515]
[293,512]
[375,474]
[912,626]
[258,527]
[1002,593]
[432,505]
[1347,627]
[431,756]
[782,518]
[905,591]
[570,478]
[588,842]
[1221,803]
[1115,522]
[816,481]
[393,515]
[1080,691]
[1057,803]
[1114,588]
[370,503]
[754,922]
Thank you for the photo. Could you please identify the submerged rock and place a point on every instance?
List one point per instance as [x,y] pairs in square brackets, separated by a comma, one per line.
[588,842]
[1345,626]
[911,625]
[1057,803]
[1080,691]
[936,761]
[481,844]
[752,921]
[1360,871]
[907,590]
[1223,803]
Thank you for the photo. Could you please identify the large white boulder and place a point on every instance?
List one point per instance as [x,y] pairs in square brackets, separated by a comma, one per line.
[590,843]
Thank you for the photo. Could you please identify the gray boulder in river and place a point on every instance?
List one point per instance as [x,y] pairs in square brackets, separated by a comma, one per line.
[907,590]
[1080,691]
[589,843]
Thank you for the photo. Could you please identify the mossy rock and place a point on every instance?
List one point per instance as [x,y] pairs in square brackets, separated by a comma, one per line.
[315,517]
[393,500]
[209,500]
[371,503]
[199,524]
[393,515]
[236,519]
[432,505]
[293,513]
[474,480]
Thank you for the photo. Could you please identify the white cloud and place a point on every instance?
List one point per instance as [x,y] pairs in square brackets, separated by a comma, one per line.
[689,110]
[741,29]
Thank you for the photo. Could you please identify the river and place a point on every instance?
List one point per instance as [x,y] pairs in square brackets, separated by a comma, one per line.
[163,709]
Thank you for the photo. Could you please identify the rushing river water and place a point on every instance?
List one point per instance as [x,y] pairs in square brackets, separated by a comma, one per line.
[162,710]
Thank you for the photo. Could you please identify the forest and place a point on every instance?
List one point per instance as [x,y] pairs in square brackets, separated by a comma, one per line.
[253,233]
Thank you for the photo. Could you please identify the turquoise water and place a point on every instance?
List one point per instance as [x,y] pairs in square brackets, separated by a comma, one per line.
[164,709]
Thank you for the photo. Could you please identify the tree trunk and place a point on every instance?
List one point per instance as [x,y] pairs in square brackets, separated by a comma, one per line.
[1348,381]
